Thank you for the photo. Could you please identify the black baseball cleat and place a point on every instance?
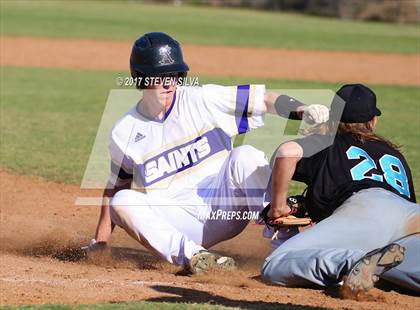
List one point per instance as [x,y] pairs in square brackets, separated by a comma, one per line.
[366,272]
[204,261]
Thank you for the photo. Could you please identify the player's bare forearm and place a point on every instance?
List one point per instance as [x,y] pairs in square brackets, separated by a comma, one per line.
[287,158]
[105,225]
[282,174]
[269,100]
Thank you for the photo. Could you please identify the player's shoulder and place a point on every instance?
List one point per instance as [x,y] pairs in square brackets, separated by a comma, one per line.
[122,127]
[226,91]
[190,97]
[216,89]
[185,91]
[315,144]
[203,91]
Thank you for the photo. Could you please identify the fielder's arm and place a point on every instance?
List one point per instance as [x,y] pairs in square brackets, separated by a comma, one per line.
[291,108]
[287,157]
[105,226]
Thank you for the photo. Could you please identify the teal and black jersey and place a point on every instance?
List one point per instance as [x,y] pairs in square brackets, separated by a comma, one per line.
[348,166]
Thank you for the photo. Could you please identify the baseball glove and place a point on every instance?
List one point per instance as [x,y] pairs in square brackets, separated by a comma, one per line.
[297,217]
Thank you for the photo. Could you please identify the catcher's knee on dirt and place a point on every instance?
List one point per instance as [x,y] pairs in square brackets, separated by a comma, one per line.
[303,268]
[282,271]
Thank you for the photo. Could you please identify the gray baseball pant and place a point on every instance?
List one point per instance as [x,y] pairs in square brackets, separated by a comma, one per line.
[368,220]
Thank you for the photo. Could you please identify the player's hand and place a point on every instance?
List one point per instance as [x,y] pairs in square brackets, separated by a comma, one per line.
[276,213]
[94,246]
[315,114]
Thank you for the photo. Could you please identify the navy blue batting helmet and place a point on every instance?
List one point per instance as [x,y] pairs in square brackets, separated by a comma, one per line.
[156,53]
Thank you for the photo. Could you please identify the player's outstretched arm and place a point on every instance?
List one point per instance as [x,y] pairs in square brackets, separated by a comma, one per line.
[291,108]
[105,226]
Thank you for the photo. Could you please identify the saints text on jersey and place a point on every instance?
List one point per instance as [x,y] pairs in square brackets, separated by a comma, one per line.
[184,156]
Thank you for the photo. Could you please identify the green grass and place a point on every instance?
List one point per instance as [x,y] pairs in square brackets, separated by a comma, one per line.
[49,119]
[126,20]
[165,306]
[126,305]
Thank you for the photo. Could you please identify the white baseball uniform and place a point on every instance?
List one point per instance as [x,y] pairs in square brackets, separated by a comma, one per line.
[184,166]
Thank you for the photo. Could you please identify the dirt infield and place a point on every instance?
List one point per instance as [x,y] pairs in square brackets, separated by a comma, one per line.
[41,230]
[328,66]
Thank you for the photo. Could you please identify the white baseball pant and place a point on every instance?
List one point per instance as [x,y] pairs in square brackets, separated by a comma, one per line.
[174,229]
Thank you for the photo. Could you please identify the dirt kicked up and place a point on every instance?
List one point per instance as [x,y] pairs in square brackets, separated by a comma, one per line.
[325,66]
[42,231]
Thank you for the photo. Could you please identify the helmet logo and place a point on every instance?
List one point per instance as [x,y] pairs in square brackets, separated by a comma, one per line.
[165,54]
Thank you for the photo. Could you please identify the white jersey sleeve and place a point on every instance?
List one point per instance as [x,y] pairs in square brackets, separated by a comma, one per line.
[121,165]
[235,109]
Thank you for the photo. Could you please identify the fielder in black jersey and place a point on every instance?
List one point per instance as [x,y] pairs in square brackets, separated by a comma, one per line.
[346,167]
[360,193]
